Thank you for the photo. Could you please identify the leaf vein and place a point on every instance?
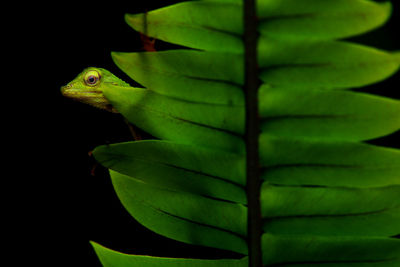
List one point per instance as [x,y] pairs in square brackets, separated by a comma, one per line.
[333,215]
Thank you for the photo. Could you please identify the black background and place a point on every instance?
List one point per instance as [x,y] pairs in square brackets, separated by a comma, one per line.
[78,206]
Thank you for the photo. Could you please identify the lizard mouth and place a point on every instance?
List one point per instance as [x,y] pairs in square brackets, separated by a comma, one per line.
[89,96]
[71,92]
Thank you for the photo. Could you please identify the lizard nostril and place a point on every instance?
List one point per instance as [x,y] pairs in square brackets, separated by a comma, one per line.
[65,88]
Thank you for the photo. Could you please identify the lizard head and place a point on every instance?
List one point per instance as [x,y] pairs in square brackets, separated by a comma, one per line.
[88,87]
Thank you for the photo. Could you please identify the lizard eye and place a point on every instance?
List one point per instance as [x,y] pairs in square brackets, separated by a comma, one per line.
[92,77]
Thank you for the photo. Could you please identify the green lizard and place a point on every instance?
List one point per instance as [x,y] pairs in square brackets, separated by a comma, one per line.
[88,87]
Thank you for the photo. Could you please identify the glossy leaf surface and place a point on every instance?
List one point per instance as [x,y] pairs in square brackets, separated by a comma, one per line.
[327,198]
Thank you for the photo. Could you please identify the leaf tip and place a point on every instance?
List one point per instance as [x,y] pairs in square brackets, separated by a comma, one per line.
[127,18]
[380,12]
[94,244]
[97,248]
[117,57]
[136,21]
[97,151]
[115,54]
[386,8]
[396,55]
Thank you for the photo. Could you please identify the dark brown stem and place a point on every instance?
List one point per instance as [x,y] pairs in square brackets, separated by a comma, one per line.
[251,86]
[136,136]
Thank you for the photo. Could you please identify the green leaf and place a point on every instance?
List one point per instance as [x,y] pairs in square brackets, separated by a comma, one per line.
[278,201]
[326,200]
[110,258]
[197,24]
[177,215]
[289,161]
[380,223]
[321,249]
[171,73]
[220,117]
[327,114]
[208,24]
[131,103]
[386,263]
[320,20]
[285,112]
[323,64]
[190,63]
[178,167]
[331,211]
[330,115]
